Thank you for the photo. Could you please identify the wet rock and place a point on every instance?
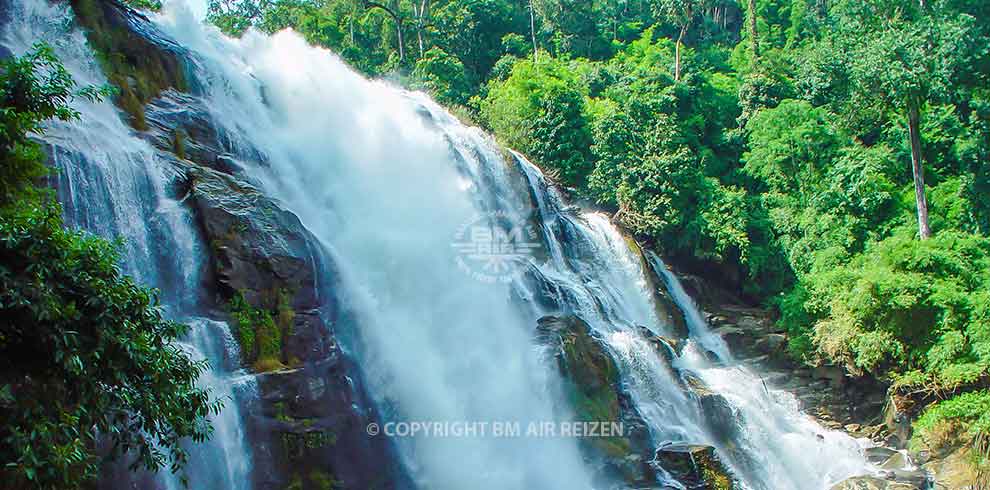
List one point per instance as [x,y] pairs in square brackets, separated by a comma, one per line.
[896,461]
[872,483]
[666,309]
[735,337]
[916,478]
[310,419]
[313,418]
[259,248]
[897,416]
[592,383]
[181,124]
[878,455]
[697,467]
[666,347]
[722,418]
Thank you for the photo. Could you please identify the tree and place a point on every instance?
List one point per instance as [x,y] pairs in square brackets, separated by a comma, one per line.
[754,40]
[86,357]
[397,18]
[473,32]
[561,137]
[681,13]
[443,76]
[903,67]
[236,16]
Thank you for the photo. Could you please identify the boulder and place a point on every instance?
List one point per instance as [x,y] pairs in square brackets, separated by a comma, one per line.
[259,248]
[695,466]
[897,415]
[872,483]
[592,383]
[879,455]
[719,413]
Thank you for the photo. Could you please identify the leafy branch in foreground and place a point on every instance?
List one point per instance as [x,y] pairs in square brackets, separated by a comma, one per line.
[89,367]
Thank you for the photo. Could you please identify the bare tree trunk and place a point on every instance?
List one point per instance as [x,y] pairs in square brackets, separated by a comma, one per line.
[753,39]
[419,27]
[919,172]
[532,29]
[402,49]
[677,54]
[422,14]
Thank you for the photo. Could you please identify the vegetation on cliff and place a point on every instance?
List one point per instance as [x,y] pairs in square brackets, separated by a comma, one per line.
[90,370]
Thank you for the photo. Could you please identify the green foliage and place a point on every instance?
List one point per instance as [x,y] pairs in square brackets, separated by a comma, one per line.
[970,410]
[33,88]
[560,136]
[442,75]
[85,354]
[906,304]
[259,336]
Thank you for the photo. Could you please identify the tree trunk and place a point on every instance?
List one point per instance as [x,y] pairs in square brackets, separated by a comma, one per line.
[368,5]
[753,39]
[402,50]
[677,54]
[532,28]
[919,172]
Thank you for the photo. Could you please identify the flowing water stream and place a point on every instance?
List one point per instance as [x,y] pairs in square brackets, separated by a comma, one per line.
[388,182]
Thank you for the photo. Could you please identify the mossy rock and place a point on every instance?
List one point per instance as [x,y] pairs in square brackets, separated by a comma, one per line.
[872,483]
[592,384]
[139,68]
[696,466]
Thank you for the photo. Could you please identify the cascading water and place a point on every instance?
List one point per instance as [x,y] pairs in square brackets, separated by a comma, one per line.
[777,447]
[387,181]
[113,184]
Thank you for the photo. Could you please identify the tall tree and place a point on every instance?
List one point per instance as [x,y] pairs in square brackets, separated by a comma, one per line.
[682,14]
[905,65]
[754,40]
[396,15]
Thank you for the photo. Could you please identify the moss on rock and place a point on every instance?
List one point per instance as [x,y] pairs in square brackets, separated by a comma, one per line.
[138,68]
[696,466]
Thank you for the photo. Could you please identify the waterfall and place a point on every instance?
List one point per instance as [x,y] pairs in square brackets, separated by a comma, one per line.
[112,183]
[394,188]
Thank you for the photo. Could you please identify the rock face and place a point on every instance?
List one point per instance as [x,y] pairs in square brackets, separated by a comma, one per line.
[838,400]
[312,414]
[719,413]
[592,384]
[955,470]
[307,424]
[136,57]
[697,467]
[260,249]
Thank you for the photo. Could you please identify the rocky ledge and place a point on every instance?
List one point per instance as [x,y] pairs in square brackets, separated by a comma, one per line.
[266,274]
[860,406]
[592,385]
